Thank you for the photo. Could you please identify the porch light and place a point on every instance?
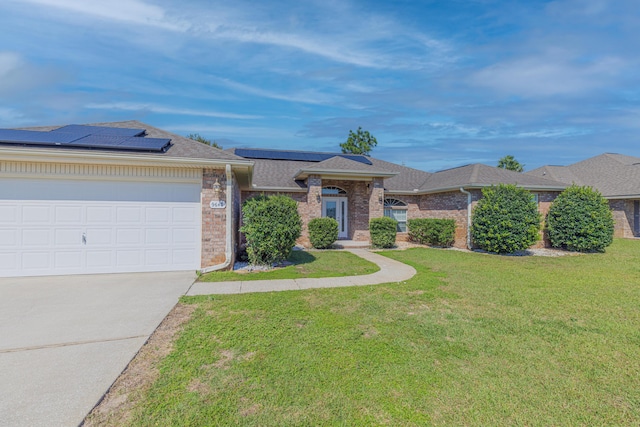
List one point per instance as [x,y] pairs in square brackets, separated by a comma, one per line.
[380,198]
[318,198]
[216,190]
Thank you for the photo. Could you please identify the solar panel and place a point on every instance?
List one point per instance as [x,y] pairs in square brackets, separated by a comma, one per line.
[79,136]
[31,136]
[301,156]
[100,130]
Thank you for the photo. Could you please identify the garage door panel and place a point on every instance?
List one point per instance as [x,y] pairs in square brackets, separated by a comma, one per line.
[98,259]
[67,237]
[8,238]
[71,235]
[130,214]
[9,214]
[156,236]
[36,237]
[36,214]
[68,260]
[36,261]
[99,214]
[68,214]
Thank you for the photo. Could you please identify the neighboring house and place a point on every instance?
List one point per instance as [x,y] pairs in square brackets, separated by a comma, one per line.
[128,197]
[354,188]
[114,197]
[616,176]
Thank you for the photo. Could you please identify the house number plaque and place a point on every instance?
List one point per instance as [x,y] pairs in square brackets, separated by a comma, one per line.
[218,204]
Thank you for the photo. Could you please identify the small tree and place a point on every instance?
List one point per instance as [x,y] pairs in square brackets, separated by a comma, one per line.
[271,225]
[360,142]
[510,163]
[505,220]
[580,220]
[199,138]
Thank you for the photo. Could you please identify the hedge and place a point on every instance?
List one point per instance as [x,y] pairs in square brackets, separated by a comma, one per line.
[271,225]
[432,231]
[505,220]
[323,232]
[580,220]
[383,232]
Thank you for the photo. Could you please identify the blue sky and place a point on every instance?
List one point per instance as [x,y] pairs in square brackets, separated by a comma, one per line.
[439,83]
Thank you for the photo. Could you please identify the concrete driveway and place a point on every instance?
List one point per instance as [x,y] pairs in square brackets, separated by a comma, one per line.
[65,339]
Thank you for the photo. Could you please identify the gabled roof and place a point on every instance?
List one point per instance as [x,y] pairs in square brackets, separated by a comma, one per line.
[289,175]
[614,175]
[478,175]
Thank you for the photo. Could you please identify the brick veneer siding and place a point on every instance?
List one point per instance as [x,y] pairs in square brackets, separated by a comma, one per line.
[453,205]
[623,216]
[213,220]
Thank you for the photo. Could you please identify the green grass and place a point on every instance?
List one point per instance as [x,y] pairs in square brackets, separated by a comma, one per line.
[305,264]
[472,339]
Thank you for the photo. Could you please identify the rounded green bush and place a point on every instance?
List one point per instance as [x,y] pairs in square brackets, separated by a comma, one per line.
[505,220]
[271,225]
[432,231]
[383,232]
[323,232]
[580,220]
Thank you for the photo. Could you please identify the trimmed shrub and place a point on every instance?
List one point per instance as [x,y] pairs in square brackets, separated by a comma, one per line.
[383,232]
[271,225]
[323,232]
[505,220]
[432,231]
[580,220]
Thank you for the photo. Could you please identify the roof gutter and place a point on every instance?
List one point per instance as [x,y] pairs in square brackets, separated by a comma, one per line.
[228,253]
[468,216]
[304,173]
[129,159]
[472,186]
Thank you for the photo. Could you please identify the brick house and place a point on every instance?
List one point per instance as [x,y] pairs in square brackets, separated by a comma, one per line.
[353,189]
[616,176]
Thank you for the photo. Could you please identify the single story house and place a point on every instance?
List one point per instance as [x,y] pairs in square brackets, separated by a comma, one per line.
[616,176]
[128,197]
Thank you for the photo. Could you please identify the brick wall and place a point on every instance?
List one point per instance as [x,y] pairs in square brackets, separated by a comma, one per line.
[623,217]
[213,220]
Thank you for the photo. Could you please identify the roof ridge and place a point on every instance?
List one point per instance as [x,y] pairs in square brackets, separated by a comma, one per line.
[474,173]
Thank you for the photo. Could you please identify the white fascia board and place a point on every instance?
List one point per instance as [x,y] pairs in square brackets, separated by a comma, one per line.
[473,187]
[128,159]
[342,174]
[278,189]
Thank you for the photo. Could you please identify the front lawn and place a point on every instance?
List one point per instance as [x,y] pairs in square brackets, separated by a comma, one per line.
[304,264]
[472,339]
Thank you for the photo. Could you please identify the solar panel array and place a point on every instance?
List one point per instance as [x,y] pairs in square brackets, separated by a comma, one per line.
[300,156]
[92,137]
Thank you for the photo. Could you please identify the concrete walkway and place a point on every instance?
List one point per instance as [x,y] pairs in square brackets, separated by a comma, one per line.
[390,271]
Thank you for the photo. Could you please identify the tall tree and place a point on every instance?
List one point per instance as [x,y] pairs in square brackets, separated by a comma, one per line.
[199,138]
[360,142]
[510,163]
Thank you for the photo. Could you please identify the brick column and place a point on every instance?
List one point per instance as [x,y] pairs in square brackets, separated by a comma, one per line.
[312,208]
[376,198]
[213,220]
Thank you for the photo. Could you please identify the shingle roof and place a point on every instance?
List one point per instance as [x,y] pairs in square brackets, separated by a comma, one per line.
[479,175]
[281,174]
[181,147]
[614,175]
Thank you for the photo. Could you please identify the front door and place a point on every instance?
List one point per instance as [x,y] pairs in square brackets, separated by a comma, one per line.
[336,208]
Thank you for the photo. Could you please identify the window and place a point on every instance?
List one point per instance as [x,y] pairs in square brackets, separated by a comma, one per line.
[397,210]
[534,196]
[333,191]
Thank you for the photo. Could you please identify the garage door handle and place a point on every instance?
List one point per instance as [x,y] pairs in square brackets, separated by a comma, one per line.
[84,238]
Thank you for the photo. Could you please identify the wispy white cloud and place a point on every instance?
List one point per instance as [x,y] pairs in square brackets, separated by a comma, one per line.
[159,109]
[128,11]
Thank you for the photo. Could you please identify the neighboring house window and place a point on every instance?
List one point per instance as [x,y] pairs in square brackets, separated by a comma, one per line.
[397,210]
[333,191]
[534,196]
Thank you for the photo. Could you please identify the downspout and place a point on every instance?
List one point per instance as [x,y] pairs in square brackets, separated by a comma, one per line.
[468,216]
[228,253]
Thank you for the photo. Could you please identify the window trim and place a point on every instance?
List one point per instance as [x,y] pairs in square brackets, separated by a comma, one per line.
[391,205]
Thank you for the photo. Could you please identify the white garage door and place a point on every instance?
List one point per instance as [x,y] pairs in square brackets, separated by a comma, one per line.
[56,226]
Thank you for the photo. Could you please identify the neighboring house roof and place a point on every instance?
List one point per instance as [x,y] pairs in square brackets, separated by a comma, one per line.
[614,175]
[289,175]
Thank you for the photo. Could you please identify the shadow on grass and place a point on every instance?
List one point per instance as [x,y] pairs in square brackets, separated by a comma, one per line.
[301,257]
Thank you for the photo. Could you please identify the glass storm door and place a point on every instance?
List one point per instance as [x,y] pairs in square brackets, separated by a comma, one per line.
[336,208]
